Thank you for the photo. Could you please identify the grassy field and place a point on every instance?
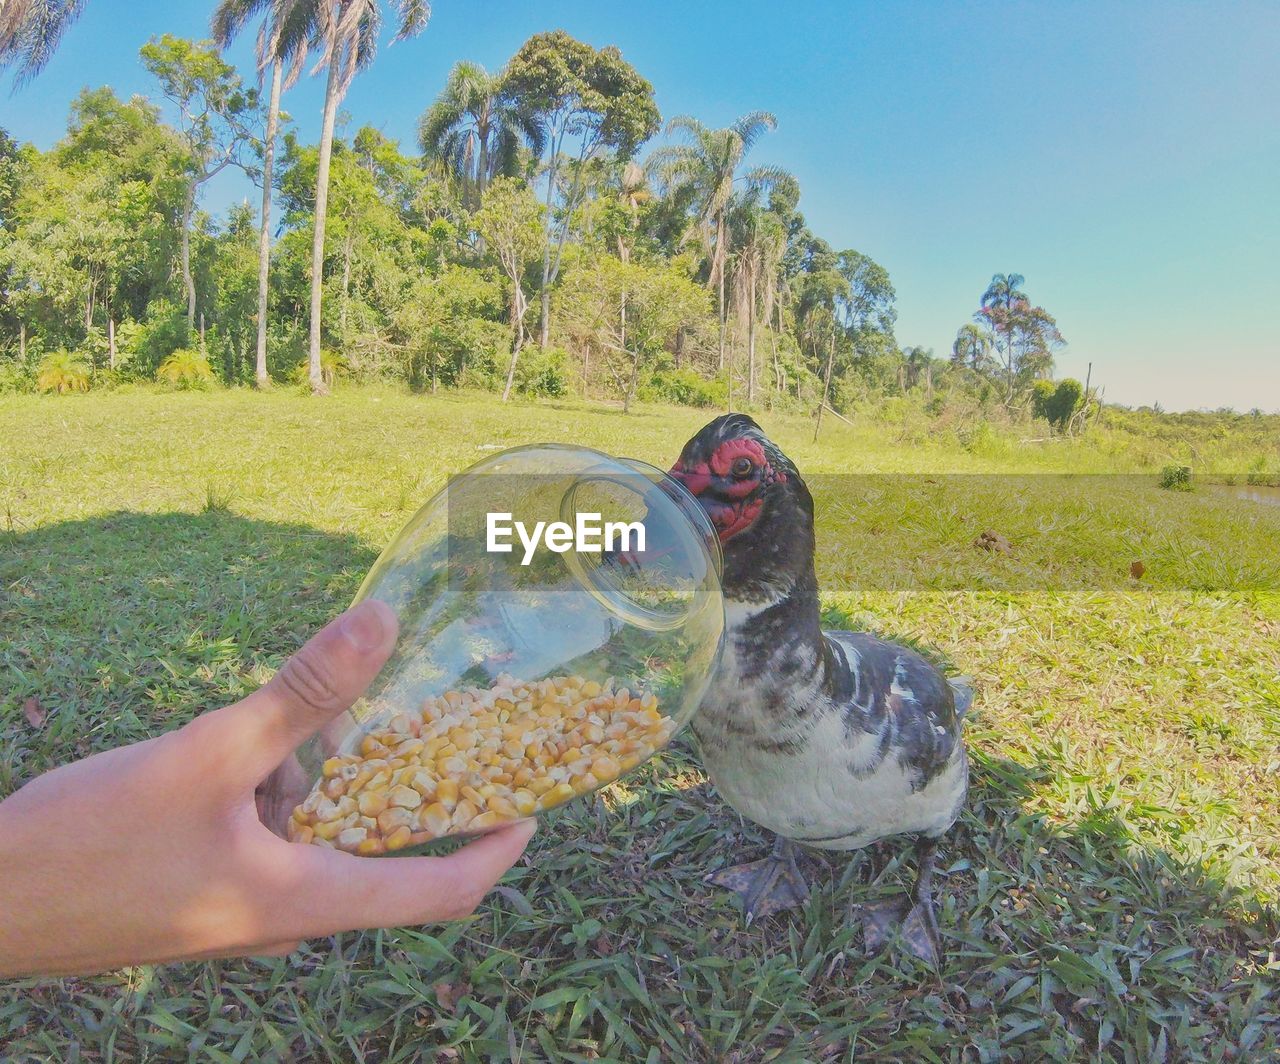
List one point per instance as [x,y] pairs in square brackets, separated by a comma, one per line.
[1110,893]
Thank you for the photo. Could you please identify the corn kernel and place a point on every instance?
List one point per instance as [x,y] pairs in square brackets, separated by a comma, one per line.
[327,829]
[371,803]
[436,819]
[561,792]
[471,759]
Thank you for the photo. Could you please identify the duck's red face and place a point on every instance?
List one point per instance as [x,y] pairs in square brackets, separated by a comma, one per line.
[728,469]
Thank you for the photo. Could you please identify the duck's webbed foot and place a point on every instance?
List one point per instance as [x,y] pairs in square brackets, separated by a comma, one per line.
[915,918]
[767,886]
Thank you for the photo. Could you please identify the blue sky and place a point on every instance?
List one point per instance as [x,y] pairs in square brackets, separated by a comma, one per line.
[1124,157]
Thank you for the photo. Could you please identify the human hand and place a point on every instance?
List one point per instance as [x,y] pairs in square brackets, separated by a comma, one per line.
[159,852]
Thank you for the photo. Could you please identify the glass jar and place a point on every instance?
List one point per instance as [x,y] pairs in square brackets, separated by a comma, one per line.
[560,618]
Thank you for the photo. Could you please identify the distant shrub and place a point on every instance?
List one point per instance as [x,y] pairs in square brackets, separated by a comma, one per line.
[1257,474]
[61,372]
[1176,478]
[543,373]
[163,332]
[332,366]
[186,368]
[983,441]
[683,387]
[15,378]
[1056,403]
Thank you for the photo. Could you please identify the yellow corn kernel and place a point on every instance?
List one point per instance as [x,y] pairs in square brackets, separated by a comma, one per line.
[370,847]
[447,793]
[371,803]
[539,786]
[590,689]
[605,768]
[328,829]
[405,797]
[559,793]
[463,813]
[436,819]
[398,839]
[525,802]
[502,805]
[390,819]
[521,776]
[487,819]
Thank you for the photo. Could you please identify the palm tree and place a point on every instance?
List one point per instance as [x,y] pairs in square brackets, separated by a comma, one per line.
[1002,303]
[971,348]
[30,31]
[759,241]
[710,163]
[475,131]
[632,193]
[346,33]
[228,20]
[918,363]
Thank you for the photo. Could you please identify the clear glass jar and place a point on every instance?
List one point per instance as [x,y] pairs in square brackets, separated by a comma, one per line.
[521,678]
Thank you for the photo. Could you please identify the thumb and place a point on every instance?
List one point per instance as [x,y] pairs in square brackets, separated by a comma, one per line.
[320,681]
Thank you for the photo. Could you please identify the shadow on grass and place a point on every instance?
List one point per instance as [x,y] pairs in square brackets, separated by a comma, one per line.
[128,624]
[1068,939]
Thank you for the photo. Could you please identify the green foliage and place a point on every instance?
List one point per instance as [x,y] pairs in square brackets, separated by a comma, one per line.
[684,387]
[333,367]
[1176,478]
[596,96]
[983,441]
[186,368]
[1056,403]
[543,374]
[61,372]
[15,378]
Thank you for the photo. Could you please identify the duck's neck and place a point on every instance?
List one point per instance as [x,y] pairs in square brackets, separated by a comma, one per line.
[776,637]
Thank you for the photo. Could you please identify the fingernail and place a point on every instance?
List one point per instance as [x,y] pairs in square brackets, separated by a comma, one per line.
[364,627]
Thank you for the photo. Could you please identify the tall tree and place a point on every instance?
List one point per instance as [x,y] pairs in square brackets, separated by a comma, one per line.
[511,225]
[710,162]
[217,119]
[758,239]
[1025,334]
[631,310]
[594,100]
[30,31]
[821,295]
[346,33]
[229,19]
[971,348]
[475,129]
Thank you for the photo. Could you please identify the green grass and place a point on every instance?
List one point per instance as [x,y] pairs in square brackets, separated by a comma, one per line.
[1110,892]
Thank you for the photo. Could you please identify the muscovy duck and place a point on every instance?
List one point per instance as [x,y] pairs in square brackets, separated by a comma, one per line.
[834,740]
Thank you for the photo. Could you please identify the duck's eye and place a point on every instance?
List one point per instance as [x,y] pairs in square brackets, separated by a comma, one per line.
[741,467]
